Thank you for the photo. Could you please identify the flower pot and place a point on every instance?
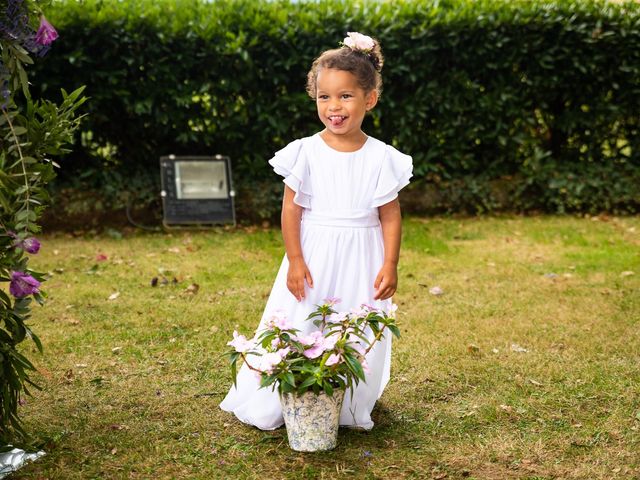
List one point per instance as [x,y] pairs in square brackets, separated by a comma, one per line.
[312,420]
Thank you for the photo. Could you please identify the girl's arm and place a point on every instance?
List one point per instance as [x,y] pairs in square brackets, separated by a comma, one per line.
[391,221]
[298,271]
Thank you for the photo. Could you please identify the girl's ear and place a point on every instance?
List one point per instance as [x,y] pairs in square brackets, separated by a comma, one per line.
[372,99]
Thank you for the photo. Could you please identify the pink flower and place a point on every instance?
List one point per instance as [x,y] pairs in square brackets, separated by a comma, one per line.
[279,320]
[283,352]
[268,362]
[313,352]
[46,33]
[330,341]
[332,360]
[338,317]
[331,301]
[240,343]
[365,366]
[363,311]
[358,41]
[314,338]
[368,308]
[318,343]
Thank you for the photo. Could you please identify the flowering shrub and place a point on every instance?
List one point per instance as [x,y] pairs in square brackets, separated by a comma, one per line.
[30,132]
[332,357]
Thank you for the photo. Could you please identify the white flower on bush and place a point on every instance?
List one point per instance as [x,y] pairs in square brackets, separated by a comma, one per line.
[392,310]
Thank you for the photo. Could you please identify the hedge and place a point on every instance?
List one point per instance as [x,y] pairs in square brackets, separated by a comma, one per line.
[518,105]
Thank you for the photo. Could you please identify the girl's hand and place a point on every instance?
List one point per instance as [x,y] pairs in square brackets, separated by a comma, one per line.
[386,282]
[296,276]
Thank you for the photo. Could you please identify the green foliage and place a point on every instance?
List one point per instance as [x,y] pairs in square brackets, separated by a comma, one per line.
[31,131]
[539,98]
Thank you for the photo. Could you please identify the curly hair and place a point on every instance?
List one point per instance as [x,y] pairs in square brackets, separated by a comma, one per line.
[366,66]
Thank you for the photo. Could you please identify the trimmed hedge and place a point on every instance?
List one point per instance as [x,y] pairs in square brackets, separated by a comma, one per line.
[516,105]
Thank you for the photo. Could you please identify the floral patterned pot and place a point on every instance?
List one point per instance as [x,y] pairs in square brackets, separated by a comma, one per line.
[312,420]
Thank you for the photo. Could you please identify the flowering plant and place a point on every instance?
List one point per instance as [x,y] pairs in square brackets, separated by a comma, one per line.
[32,132]
[332,357]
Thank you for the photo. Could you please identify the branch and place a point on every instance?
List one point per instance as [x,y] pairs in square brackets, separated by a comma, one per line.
[24,168]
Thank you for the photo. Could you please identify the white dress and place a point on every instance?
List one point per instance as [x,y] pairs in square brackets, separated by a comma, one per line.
[342,244]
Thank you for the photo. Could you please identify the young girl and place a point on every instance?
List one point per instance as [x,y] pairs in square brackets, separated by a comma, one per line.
[340,223]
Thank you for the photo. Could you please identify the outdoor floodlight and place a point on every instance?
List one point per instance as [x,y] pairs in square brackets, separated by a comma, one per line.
[197,190]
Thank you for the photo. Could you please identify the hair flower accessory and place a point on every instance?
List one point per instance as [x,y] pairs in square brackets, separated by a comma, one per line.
[359,42]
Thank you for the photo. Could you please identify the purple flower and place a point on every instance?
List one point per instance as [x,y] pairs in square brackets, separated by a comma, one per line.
[46,33]
[23,285]
[29,245]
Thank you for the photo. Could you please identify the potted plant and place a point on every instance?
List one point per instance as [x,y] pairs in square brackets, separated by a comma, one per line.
[312,372]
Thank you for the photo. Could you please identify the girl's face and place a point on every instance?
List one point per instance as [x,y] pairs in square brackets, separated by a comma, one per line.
[342,103]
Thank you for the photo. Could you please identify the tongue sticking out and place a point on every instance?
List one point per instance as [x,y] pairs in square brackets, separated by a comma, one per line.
[336,121]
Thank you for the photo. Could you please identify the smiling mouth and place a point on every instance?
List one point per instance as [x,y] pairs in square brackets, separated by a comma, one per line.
[337,120]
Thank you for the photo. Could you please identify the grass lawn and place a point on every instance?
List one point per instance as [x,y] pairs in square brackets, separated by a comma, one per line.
[528,366]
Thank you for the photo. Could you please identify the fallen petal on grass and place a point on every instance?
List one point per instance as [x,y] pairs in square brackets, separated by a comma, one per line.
[436,291]
[517,348]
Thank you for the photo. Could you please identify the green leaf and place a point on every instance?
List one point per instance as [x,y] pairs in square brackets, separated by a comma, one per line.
[326,386]
[289,378]
[306,383]
[354,366]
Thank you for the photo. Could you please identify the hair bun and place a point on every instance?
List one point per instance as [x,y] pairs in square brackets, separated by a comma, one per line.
[365,45]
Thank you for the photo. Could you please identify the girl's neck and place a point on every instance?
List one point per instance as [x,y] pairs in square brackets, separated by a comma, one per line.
[343,143]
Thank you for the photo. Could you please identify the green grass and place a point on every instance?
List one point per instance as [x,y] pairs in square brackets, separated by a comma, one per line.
[131,386]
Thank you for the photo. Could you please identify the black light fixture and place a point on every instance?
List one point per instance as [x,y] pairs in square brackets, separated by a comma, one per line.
[197,190]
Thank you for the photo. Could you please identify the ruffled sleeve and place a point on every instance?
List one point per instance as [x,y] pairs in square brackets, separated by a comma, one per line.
[396,170]
[291,162]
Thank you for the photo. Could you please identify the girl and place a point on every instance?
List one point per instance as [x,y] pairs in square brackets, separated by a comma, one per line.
[340,224]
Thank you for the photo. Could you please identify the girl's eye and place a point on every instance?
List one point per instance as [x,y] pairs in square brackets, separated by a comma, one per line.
[323,97]
[346,95]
